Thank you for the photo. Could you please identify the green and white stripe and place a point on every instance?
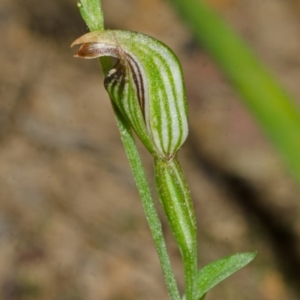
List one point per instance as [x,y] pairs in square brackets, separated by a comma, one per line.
[146,85]
[175,197]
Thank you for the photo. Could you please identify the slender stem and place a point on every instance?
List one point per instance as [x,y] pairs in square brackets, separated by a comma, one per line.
[190,255]
[148,205]
[190,275]
[93,16]
[175,197]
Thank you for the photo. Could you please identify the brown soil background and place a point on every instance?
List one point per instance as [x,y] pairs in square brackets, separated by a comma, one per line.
[71,223]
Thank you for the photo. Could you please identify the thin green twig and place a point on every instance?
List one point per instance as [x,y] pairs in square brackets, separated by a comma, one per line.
[148,204]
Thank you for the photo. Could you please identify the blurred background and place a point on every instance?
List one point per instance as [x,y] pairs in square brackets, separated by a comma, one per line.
[71,222]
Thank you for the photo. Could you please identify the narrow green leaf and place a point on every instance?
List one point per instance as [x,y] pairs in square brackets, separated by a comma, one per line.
[219,270]
[273,108]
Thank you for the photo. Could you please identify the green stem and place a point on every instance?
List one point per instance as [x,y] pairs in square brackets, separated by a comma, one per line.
[92,14]
[190,274]
[175,197]
[147,202]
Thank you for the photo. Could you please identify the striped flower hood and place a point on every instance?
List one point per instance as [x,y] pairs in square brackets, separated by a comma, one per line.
[146,85]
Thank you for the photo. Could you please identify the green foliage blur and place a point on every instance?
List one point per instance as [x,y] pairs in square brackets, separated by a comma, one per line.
[271,106]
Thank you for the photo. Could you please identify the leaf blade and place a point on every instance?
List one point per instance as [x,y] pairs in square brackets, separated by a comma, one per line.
[218,270]
[273,108]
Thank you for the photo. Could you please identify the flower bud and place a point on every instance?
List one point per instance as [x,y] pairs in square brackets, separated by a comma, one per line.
[146,85]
